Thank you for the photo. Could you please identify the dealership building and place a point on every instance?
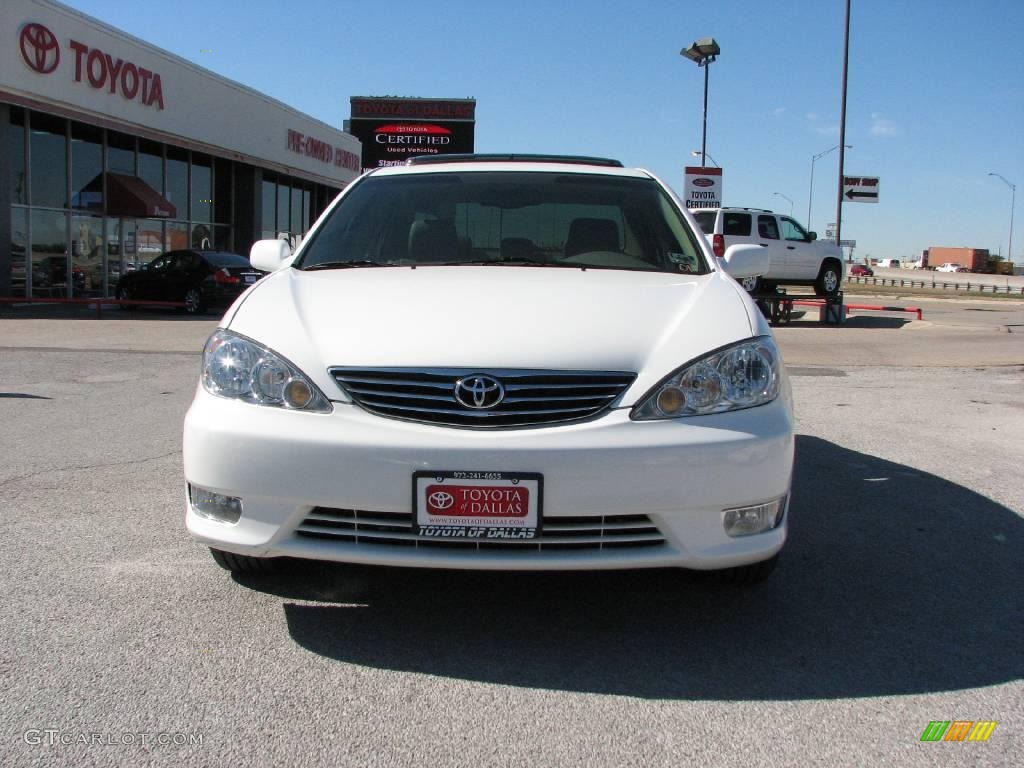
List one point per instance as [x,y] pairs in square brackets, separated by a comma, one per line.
[115,151]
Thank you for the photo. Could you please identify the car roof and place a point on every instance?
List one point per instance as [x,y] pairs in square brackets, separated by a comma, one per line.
[533,164]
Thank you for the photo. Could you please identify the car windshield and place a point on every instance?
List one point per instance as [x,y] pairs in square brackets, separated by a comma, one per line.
[506,218]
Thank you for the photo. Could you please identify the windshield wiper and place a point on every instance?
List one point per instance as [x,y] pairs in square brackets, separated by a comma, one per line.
[345,265]
[499,263]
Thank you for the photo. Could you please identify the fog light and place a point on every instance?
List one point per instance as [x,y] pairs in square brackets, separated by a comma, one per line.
[215,506]
[297,393]
[671,401]
[746,521]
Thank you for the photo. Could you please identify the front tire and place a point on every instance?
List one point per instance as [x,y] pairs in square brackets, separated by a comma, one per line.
[830,278]
[747,575]
[243,564]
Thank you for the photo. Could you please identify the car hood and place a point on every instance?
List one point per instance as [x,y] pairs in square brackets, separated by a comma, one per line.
[493,317]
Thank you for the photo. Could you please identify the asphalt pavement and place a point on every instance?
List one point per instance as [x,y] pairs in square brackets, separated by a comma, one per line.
[899,599]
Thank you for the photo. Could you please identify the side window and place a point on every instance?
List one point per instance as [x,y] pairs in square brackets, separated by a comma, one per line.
[792,231]
[767,227]
[706,221]
[737,224]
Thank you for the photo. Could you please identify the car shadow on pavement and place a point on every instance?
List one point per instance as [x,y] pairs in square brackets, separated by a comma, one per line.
[851,321]
[894,581]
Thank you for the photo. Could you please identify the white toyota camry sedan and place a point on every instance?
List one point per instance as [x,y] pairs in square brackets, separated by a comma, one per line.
[495,362]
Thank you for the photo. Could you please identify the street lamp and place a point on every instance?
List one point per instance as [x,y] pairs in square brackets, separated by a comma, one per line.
[702,52]
[1013,203]
[697,153]
[790,203]
[810,193]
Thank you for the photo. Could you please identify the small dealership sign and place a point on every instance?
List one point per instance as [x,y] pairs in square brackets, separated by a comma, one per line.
[703,187]
[860,189]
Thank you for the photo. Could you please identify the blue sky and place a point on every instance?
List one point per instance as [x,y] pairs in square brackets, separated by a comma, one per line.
[936,90]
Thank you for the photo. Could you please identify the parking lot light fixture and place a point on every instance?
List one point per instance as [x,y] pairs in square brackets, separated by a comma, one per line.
[810,191]
[790,203]
[702,52]
[697,153]
[1013,203]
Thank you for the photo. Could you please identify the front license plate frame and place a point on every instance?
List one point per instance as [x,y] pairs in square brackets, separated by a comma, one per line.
[498,519]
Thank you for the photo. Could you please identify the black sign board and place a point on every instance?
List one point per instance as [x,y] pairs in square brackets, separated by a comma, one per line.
[393,129]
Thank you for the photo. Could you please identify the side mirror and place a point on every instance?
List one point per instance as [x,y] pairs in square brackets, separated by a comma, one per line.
[746,260]
[812,236]
[269,255]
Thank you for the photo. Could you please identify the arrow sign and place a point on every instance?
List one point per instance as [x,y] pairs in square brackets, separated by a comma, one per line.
[860,189]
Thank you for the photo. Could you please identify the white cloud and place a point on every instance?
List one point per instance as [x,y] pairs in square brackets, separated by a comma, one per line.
[823,128]
[882,126]
[778,111]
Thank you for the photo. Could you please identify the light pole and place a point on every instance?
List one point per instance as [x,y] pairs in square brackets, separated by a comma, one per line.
[810,193]
[697,153]
[702,52]
[790,204]
[1013,203]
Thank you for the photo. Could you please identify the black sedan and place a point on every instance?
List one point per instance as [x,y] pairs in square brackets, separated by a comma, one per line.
[199,279]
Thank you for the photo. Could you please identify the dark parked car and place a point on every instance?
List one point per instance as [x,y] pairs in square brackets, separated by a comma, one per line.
[861,270]
[200,279]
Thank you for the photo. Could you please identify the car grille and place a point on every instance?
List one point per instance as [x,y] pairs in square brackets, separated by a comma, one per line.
[394,529]
[531,397]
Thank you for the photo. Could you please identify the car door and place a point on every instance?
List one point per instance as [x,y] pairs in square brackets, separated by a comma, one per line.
[146,282]
[768,236]
[802,257]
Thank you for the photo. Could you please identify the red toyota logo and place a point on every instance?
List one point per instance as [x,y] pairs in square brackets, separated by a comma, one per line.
[703,183]
[39,48]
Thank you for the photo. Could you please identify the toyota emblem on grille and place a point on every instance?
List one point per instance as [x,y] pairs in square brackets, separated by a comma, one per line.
[479,392]
[441,500]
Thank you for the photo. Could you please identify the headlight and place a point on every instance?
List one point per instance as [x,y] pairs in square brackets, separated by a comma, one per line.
[740,376]
[240,369]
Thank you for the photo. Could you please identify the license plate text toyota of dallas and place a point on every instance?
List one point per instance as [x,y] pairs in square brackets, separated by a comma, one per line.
[501,362]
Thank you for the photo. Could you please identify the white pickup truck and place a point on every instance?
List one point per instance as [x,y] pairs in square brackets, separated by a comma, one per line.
[796,256]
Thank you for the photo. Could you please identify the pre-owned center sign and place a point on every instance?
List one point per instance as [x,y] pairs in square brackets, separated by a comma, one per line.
[703,187]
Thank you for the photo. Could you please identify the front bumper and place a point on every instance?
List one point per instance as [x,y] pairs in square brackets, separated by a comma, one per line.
[681,474]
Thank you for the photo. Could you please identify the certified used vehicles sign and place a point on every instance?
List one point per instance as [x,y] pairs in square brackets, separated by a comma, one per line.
[477,505]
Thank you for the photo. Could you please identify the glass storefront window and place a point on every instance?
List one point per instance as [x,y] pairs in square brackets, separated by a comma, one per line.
[202,237]
[19,247]
[283,206]
[269,207]
[87,255]
[222,239]
[49,178]
[297,211]
[86,167]
[177,181]
[49,249]
[16,155]
[152,238]
[151,164]
[222,170]
[307,214]
[177,236]
[120,153]
[202,188]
